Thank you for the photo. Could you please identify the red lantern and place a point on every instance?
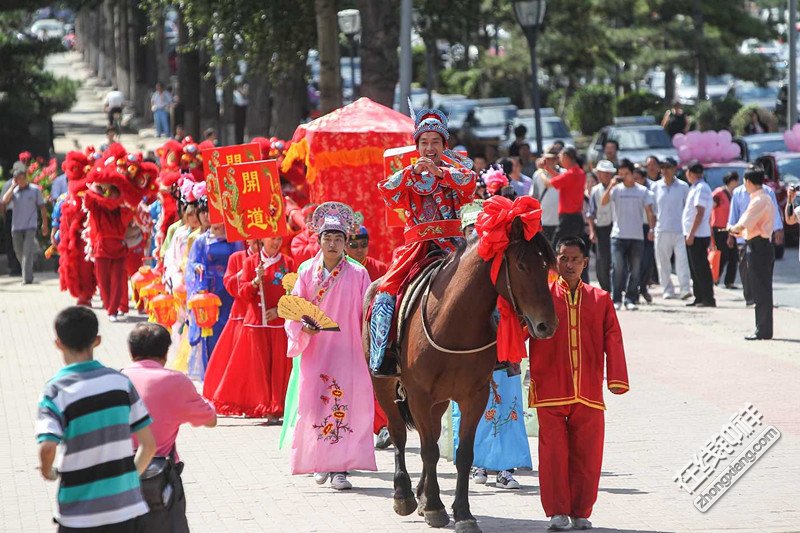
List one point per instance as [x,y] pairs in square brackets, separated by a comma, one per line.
[151,291]
[163,310]
[205,306]
[142,278]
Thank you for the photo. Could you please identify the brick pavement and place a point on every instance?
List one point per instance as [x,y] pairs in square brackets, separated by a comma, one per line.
[690,371]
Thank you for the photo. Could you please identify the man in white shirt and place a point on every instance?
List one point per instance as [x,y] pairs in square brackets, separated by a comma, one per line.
[548,196]
[601,220]
[696,222]
[160,103]
[113,104]
[670,197]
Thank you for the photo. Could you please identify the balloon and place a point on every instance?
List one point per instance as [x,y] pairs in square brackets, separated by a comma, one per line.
[692,137]
[685,153]
[732,151]
[678,140]
[724,137]
[796,129]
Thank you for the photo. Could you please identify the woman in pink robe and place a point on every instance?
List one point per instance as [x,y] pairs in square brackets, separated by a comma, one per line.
[335,408]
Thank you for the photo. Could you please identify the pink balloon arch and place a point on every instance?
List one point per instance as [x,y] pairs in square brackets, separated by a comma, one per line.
[708,146]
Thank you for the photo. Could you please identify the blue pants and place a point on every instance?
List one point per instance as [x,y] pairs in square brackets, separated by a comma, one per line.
[161,118]
[626,254]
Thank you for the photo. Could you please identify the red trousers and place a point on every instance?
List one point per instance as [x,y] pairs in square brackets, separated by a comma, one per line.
[380,420]
[570,457]
[403,261]
[84,283]
[113,283]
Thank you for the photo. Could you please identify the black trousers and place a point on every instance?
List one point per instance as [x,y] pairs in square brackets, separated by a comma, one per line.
[603,260]
[702,279]
[134,525]
[729,257]
[648,261]
[550,234]
[760,257]
[569,225]
[744,274]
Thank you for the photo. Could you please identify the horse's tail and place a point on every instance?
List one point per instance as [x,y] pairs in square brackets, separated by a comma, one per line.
[402,406]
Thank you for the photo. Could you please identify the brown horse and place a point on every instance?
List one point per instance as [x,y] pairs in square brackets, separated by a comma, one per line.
[447,353]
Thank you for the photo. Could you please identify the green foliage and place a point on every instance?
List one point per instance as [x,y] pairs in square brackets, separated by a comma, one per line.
[743,117]
[641,102]
[591,108]
[715,115]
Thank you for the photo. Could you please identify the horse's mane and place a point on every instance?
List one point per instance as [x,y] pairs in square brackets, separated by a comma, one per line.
[537,245]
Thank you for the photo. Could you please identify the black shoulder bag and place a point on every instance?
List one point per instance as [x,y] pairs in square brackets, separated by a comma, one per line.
[159,480]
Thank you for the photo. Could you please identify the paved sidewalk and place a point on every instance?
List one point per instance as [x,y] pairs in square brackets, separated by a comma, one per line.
[690,371]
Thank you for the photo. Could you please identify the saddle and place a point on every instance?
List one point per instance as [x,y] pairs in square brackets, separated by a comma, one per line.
[412,292]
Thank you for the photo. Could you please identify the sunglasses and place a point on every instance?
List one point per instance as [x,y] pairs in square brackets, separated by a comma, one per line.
[355,245]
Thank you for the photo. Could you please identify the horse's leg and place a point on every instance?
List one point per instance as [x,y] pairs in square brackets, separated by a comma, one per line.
[421,493]
[472,408]
[429,428]
[404,501]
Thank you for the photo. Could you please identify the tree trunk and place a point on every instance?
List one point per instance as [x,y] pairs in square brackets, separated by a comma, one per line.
[109,73]
[380,36]
[142,64]
[669,84]
[259,110]
[330,83]
[162,63]
[189,83]
[290,98]
[432,59]
[134,57]
[209,110]
[227,125]
[702,70]
[123,65]
[97,41]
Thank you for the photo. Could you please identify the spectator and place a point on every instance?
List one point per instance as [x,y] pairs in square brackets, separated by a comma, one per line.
[180,133]
[792,201]
[91,412]
[697,233]
[160,103]
[611,151]
[670,198]
[675,120]
[513,169]
[14,266]
[570,185]
[755,226]
[112,104]
[629,200]
[653,167]
[548,196]
[719,224]
[358,249]
[27,198]
[58,187]
[479,163]
[172,400]
[527,160]
[601,220]
[648,254]
[210,134]
[755,125]
[519,139]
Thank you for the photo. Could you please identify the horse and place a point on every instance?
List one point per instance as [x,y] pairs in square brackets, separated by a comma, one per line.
[448,353]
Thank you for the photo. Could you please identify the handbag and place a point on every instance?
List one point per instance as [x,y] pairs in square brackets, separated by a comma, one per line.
[714,257]
[158,482]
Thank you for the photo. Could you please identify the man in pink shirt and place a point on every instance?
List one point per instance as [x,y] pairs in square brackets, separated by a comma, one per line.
[729,256]
[172,400]
[755,227]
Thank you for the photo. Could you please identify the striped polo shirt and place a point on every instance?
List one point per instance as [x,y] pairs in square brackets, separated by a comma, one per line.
[92,411]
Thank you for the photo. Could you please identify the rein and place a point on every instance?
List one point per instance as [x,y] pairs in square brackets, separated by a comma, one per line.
[427,332]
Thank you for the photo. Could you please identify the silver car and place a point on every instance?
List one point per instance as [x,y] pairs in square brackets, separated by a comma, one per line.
[638,137]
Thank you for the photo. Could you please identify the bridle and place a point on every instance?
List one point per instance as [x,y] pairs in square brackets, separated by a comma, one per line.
[423,314]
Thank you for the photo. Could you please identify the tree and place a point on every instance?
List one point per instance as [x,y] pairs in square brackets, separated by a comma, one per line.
[330,83]
[380,36]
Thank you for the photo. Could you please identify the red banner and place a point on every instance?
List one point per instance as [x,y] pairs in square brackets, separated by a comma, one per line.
[251,200]
[213,158]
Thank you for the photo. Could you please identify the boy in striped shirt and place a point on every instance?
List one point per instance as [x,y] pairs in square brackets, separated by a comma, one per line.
[92,412]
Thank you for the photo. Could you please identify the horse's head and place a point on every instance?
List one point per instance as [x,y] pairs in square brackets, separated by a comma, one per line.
[524,280]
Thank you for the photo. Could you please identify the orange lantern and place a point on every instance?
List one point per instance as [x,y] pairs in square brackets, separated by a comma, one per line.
[142,278]
[205,306]
[179,293]
[151,291]
[163,310]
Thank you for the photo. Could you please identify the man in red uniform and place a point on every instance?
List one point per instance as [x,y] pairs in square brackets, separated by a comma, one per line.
[431,192]
[567,390]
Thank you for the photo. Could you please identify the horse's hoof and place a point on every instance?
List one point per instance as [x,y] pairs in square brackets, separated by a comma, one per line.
[405,507]
[468,526]
[438,518]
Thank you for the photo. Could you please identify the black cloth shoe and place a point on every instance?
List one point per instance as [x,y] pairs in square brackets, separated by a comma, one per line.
[693,304]
[706,304]
[388,368]
[756,337]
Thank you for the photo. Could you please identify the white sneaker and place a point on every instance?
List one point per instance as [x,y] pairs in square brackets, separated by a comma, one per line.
[339,482]
[113,318]
[618,306]
[559,522]
[321,477]
[630,306]
[479,475]
[581,523]
[121,315]
[669,296]
[506,481]
[383,440]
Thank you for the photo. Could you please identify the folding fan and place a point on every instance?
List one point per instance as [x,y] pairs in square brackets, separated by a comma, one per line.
[299,309]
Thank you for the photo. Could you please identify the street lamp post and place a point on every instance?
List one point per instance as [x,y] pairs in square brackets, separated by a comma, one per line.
[530,15]
[350,25]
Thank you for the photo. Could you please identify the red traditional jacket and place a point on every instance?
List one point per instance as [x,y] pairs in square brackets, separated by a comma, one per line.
[231,282]
[273,288]
[568,367]
[375,268]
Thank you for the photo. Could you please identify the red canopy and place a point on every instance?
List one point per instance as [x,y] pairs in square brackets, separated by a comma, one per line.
[343,155]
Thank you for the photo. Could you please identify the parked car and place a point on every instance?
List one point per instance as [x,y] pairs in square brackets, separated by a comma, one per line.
[457,110]
[485,125]
[749,93]
[553,129]
[717,87]
[638,137]
[46,29]
[753,146]
[783,171]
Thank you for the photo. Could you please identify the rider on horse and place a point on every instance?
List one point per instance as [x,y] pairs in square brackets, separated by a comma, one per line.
[431,192]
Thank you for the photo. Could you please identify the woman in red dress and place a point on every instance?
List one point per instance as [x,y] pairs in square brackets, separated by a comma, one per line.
[230,333]
[255,380]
